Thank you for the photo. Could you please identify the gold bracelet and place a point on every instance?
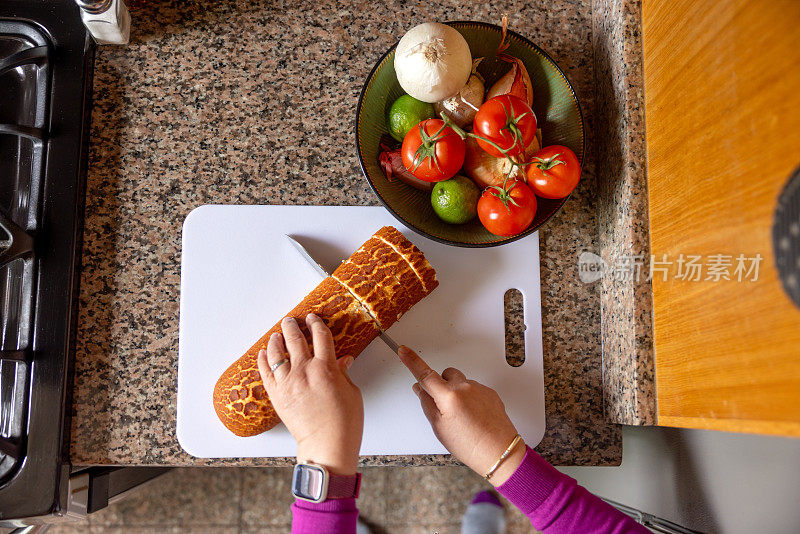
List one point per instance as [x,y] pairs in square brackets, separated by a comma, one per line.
[503,456]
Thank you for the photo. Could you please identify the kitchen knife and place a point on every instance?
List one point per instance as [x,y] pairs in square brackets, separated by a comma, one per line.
[392,344]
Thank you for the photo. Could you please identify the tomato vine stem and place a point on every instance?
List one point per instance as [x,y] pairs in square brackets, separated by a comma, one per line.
[545,164]
[505,151]
[427,148]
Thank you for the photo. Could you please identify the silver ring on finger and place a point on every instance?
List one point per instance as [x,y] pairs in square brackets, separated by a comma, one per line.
[278,364]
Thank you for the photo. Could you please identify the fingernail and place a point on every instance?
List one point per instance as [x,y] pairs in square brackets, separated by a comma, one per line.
[310,318]
[403,350]
[415,388]
[275,335]
[289,319]
[348,362]
[262,353]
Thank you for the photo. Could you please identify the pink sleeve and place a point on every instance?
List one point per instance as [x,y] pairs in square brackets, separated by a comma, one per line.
[336,516]
[556,504]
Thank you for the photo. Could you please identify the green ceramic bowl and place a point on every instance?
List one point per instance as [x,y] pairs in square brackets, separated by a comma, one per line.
[554,102]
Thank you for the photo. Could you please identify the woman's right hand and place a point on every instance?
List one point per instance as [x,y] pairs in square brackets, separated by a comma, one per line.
[467,417]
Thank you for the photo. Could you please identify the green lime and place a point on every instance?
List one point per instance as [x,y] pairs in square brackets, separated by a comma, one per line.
[455,201]
[407,112]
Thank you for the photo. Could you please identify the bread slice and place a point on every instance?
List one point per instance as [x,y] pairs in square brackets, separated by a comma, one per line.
[415,258]
[372,274]
[371,290]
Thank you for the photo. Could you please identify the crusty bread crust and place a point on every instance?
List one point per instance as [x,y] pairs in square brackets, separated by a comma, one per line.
[240,400]
[416,259]
[373,275]
[380,282]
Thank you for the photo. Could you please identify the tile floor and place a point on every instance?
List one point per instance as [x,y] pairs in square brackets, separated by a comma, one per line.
[256,500]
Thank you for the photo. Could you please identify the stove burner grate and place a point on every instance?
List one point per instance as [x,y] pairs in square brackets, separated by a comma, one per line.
[25,85]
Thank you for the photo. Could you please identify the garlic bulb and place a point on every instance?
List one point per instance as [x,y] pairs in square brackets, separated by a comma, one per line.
[432,62]
[462,107]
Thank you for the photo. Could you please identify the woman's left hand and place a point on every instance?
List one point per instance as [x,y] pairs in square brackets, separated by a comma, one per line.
[313,395]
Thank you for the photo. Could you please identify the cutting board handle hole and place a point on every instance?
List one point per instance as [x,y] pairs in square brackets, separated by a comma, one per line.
[514,314]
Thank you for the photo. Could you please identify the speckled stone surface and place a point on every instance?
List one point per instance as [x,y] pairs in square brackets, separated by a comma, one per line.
[626,295]
[253,102]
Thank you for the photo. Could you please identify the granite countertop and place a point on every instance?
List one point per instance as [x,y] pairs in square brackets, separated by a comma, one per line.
[254,103]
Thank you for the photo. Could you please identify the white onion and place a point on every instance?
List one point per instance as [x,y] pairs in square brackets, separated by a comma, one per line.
[432,62]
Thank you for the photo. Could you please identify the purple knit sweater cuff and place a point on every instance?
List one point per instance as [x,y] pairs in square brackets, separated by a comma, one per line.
[335,515]
[331,505]
[531,484]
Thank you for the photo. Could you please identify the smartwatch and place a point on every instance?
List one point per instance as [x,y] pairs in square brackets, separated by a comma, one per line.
[313,483]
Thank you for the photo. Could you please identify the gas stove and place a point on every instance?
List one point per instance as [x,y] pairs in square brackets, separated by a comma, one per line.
[46,58]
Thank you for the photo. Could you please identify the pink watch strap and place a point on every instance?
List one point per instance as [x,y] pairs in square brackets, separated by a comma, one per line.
[343,487]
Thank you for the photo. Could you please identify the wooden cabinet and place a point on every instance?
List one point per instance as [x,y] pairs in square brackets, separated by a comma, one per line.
[722,112]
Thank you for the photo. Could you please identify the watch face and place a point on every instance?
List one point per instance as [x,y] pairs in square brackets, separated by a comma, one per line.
[309,482]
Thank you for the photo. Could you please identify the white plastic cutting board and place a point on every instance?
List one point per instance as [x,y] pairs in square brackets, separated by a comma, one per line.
[239,275]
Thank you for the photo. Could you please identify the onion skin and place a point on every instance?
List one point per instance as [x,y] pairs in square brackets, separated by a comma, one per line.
[487,170]
[391,161]
[516,81]
[534,146]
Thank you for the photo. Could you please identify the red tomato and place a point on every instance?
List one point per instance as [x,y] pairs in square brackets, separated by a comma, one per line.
[508,122]
[554,172]
[432,151]
[507,212]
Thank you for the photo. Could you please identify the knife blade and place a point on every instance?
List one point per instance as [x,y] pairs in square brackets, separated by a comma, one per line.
[306,256]
[391,343]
